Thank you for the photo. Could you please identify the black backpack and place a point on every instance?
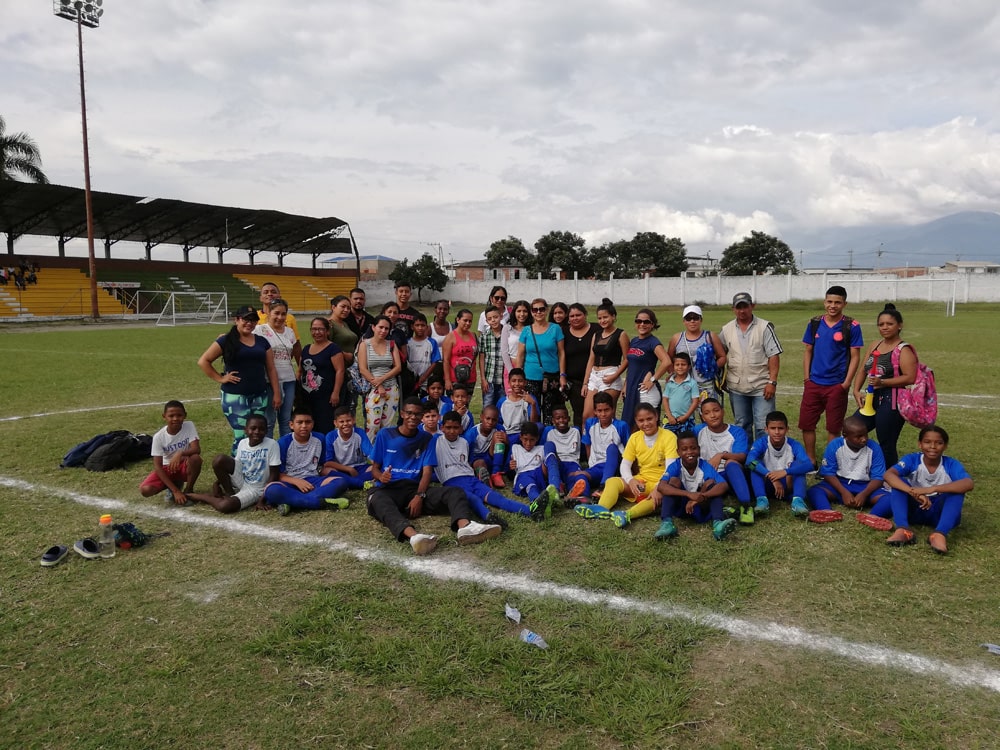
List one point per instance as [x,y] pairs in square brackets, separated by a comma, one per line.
[845,328]
[79,454]
[115,453]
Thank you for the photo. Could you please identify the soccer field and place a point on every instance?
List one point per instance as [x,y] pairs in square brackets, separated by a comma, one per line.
[318,629]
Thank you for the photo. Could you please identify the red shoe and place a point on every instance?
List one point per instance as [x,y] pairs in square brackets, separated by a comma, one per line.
[825,516]
[498,481]
[876,522]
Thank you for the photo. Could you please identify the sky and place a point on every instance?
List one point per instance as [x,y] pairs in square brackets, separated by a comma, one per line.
[460,123]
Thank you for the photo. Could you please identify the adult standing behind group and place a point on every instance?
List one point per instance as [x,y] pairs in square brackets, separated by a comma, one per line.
[887,378]
[269,291]
[342,335]
[520,318]
[248,382]
[460,353]
[360,320]
[498,299]
[541,354]
[706,352]
[647,362]
[579,333]
[322,375]
[753,357]
[440,326]
[287,352]
[607,359]
[379,363]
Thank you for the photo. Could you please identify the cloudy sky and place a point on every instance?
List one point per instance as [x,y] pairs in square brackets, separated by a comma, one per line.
[463,122]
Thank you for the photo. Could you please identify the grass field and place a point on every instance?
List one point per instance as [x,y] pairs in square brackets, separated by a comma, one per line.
[319,630]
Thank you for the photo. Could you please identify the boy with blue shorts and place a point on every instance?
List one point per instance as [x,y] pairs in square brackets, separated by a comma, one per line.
[853,470]
[604,438]
[725,448]
[527,461]
[778,466]
[562,455]
[488,444]
[691,488]
[347,449]
[516,408]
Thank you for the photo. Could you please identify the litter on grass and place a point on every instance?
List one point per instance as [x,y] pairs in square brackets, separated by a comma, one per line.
[533,639]
[991,647]
[513,614]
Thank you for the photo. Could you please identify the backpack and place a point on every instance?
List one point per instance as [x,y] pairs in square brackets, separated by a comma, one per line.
[115,453]
[917,404]
[845,328]
[78,454]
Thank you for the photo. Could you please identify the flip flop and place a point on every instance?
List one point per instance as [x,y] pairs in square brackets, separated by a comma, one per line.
[54,555]
[87,548]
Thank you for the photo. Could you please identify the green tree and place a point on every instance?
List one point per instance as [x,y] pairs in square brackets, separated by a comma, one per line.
[19,157]
[757,252]
[652,252]
[508,252]
[563,250]
[610,258]
[426,273]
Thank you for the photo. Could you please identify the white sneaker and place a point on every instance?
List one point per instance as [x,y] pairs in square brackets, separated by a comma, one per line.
[477,532]
[423,544]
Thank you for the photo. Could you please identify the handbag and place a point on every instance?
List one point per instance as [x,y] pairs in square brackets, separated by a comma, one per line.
[356,382]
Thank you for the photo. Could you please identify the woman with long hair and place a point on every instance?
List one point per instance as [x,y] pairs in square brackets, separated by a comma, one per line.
[559,314]
[287,352]
[579,333]
[647,362]
[541,354]
[248,382]
[607,359]
[520,316]
[440,325]
[498,299]
[379,364]
[322,375]
[460,352]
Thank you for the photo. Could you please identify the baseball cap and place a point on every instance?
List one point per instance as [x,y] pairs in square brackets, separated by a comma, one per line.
[246,311]
[692,309]
[743,298]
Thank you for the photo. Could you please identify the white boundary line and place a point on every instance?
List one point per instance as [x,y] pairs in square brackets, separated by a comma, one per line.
[443,569]
[97,408]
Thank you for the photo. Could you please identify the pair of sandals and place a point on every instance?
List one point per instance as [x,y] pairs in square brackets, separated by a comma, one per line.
[86,548]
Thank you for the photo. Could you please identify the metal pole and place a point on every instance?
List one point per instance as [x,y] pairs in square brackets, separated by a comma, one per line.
[92,262]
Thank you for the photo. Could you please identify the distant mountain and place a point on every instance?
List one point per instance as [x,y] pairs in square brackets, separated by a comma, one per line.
[967,235]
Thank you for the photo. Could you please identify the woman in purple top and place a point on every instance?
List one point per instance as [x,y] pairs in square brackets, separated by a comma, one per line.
[647,362]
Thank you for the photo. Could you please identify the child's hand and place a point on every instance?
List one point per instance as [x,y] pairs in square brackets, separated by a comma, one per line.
[301,485]
[779,489]
[351,471]
[175,463]
[513,465]
[689,506]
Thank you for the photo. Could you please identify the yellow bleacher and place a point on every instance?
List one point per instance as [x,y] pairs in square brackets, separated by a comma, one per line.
[301,292]
[59,292]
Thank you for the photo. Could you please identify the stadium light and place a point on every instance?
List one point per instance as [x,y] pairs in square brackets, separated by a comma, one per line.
[84,14]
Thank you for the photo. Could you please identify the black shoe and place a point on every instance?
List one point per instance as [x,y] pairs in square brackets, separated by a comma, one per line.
[494,518]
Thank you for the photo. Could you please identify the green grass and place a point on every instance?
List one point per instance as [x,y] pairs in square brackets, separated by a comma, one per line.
[213,638]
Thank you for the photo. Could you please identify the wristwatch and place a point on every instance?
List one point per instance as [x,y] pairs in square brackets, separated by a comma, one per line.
[772,382]
[421,495]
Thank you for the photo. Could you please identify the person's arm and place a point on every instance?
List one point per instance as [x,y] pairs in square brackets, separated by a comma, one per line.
[522,350]
[297,354]
[397,365]
[561,350]
[193,449]
[446,346]
[623,342]
[508,362]
[807,355]
[664,362]
[164,476]
[860,378]
[773,364]
[907,370]
[363,364]
[481,362]
[337,360]
[205,362]
[695,400]
[416,505]
[720,353]
[587,372]
[852,367]
[272,376]
[534,414]
[672,349]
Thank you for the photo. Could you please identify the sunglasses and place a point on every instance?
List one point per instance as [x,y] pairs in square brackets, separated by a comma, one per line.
[643,322]
[692,317]
[538,309]
[498,298]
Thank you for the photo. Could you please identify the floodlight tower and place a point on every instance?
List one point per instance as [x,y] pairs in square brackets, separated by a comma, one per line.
[84,14]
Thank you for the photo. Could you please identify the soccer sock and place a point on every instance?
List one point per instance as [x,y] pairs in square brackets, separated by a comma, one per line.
[611,492]
[512,506]
[499,454]
[611,463]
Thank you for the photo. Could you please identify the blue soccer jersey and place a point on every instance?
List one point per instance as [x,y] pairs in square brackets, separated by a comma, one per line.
[733,439]
[301,460]
[692,481]
[861,466]
[406,456]
[831,355]
[351,452]
[601,438]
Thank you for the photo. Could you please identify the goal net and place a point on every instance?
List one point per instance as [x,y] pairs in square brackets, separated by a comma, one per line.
[179,308]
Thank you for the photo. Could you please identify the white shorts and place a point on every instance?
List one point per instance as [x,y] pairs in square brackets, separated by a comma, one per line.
[246,492]
[596,382]
[653,397]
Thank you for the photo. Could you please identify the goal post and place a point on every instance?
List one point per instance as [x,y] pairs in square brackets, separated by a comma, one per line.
[919,288]
[169,308]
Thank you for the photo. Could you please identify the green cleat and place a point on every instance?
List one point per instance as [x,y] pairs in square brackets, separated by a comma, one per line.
[590,511]
[667,530]
[621,518]
[722,529]
[337,503]
[284,509]
[746,515]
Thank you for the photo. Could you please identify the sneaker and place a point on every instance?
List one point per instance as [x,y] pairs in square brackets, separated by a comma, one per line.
[799,507]
[577,490]
[498,481]
[483,474]
[168,497]
[621,518]
[591,510]
[476,532]
[498,520]
[667,530]
[368,485]
[728,511]
[762,506]
[541,506]
[722,529]
[746,515]
[337,503]
[423,544]
[284,509]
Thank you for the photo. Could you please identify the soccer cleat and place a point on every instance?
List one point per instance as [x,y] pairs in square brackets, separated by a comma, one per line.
[799,507]
[337,503]
[900,537]
[667,530]
[284,509]
[746,515]
[577,490]
[875,522]
[541,507]
[475,532]
[621,518]
[483,474]
[369,485]
[825,516]
[498,520]
[423,544]
[498,481]
[762,506]
[591,510]
[722,529]
[168,497]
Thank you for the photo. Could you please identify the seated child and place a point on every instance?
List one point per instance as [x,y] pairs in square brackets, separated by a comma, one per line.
[460,399]
[852,470]
[347,449]
[301,484]
[527,461]
[604,438]
[561,443]
[725,448]
[431,419]
[488,444]
[680,396]
[518,407]
[176,456]
[778,465]
[241,479]
[691,487]
[928,487]
[449,458]
[652,447]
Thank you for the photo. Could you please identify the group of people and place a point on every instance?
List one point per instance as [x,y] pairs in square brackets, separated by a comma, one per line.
[23,274]
[551,385]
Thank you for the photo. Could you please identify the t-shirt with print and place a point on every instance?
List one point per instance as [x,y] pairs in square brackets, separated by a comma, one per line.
[166,445]
[450,459]
[351,452]
[301,460]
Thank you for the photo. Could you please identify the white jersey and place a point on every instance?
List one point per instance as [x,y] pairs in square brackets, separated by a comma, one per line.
[526,460]
[692,481]
[451,459]
[856,465]
[602,438]
[420,354]
[513,414]
[348,452]
[253,463]
[567,444]
[302,459]
[778,459]
[166,445]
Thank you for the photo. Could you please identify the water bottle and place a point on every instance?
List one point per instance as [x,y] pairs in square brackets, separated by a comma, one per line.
[533,639]
[106,537]
[499,446]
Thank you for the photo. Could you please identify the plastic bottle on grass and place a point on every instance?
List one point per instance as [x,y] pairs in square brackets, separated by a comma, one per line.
[531,637]
[106,537]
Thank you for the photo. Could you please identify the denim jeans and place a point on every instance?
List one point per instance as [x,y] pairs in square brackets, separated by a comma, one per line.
[281,416]
[749,412]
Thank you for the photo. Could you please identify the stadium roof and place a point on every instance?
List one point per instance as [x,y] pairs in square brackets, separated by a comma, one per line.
[60,211]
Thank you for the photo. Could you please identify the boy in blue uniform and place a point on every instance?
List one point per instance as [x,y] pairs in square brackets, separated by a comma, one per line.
[403,477]
[527,461]
[778,466]
[488,444]
[605,438]
[517,407]
[346,450]
[691,487]
[301,484]
[725,448]
[422,353]
[460,403]
[852,470]
[832,352]
[562,456]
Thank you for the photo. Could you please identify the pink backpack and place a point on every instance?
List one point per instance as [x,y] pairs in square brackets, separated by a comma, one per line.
[917,404]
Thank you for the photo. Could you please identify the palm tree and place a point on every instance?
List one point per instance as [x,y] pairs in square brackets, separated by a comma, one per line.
[19,156]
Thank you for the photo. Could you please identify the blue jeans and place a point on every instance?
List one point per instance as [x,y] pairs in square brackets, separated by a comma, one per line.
[749,412]
[493,395]
[283,415]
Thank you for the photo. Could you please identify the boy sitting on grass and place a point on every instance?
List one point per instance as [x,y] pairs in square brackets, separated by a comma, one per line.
[517,408]
[488,444]
[240,480]
[604,438]
[460,399]
[527,461]
[176,456]
[301,484]
[778,466]
[692,488]
[562,456]
[725,448]
[853,469]
[347,449]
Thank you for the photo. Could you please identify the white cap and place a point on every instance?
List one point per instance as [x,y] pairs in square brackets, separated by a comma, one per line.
[692,309]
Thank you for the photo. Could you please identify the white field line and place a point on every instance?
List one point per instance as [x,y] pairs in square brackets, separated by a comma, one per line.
[461,569]
[97,408]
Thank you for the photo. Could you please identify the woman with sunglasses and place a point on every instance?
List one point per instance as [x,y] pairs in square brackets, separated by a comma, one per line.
[323,371]
[541,354]
[498,299]
[287,352]
[647,362]
[706,352]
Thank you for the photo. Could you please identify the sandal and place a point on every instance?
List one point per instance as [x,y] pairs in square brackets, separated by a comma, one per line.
[938,543]
[87,548]
[54,555]
[900,537]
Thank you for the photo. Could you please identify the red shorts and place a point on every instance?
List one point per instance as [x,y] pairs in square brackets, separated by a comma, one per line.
[178,478]
[817,399]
